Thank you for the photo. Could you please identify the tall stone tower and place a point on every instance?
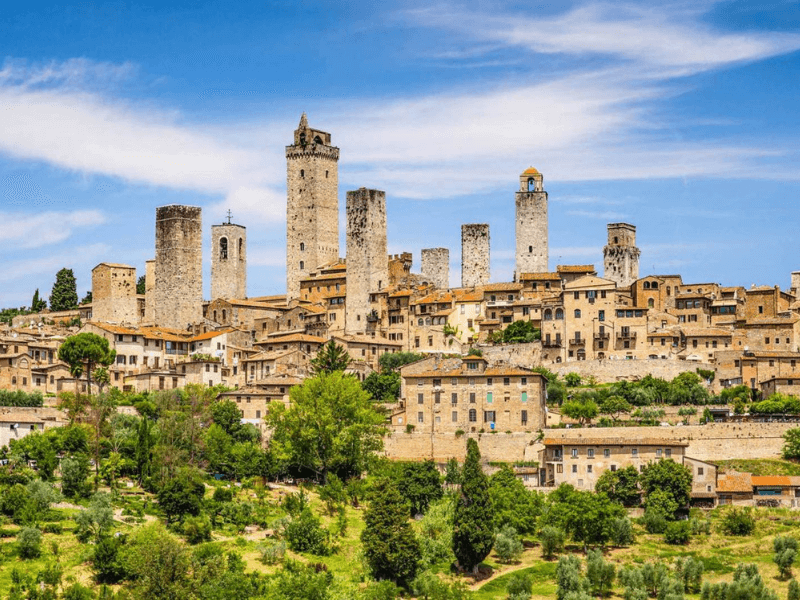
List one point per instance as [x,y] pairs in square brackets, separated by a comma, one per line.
[621,256]
[114,294]
[150,292]
[474,254]
[228,261]
[436,266]
[367,261]
[312,205]
[178,292]
[532,250]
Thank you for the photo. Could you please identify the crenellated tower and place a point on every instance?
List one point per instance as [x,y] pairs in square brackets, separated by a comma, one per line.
[621,256]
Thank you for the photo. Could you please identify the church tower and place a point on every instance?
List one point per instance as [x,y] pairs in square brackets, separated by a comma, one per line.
[531,224]
[312,205]
[228,261]
[621,256]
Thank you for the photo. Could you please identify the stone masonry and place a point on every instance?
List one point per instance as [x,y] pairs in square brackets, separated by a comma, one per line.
[436,266]
[367,260]
[531,224]
[149,291]
[621,256]
[474,254]
[178,289]
[312,206]
[114,294]
[228,261]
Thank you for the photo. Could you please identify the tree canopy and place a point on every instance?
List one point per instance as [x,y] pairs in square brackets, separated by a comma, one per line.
[64,295]
[473,519]
[84,351]
[331,357]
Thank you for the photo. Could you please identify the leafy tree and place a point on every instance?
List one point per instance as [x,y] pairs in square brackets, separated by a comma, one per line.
[572,379]
[420,484]
[333,494]
[738,522]
[141,285]
[74,472]
[785,554]
[678,532]
[144,446]
[452,473]
[507,544]
[582,411]
[621,532]
[20,398]
[97,520]
[513,503]
[519,587]
[197,529]
[690,571]
[474,515]
[747,583]
[330,425]
[615,407]
[392,361]
[87,299]
[670,477]
[791,443]
[85,350]
[569,579]
[29,543]
[304,534]
[436,534]
[794,590]
[687,389]
[330,358]
[226,414]
[383,387]
[64,295]
[98,412]
[390,547]
[106,560]
[552,540]
[521,332]
[38,304]
[43,495]
[157,562]
[600,573]
[586,516]
[620,486]
[181,495]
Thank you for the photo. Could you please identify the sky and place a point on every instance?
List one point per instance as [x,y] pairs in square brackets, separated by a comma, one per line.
[678,117]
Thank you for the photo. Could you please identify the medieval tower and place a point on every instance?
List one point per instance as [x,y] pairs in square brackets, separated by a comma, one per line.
[312,205]
[367,261]
[114,294]
[228,261]
[149,292]
[178,290]
[436,266]
[474,255]
[531,224]
[621,256]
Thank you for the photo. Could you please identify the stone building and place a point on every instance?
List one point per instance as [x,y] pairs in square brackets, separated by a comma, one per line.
[621,256]
[474,254]
[531,224]
[178,292]
[228,261]
[312,207]
[367,260]
[436,266]
[114,297]
[150,292]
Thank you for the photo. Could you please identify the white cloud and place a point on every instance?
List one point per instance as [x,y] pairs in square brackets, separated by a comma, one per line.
[32,230]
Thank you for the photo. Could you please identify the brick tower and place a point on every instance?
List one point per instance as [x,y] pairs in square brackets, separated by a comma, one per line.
[312,205]
[228,261]
[474,254]
[621,256]
[531,224]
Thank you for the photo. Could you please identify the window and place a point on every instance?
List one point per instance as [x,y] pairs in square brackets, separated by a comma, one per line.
[700,470]
[548,315]
[576,295]
[506,381]
[454,398]
[437,397]
[524,417]
[588,468]
[606,453]
[574,453]
[524,381]
[302,265]
[668,452]
[658,453]
[488,416]
[559,314]
[473,415]
[523,397]
[420,417]
[488,381]
[634,452]
[472,398]
[454,416]
[577,313]
[420,398]
[302,246]
[590,453]
[574,468]
[613,467]
[601,315]
[489,397]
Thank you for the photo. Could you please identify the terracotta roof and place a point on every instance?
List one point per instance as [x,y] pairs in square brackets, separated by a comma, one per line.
[575,268]
[502,287]
[771,321]
[774,354]
[465,295]
[601,441]
[250,304]
[19,417]
[735,482]
[314,308]
[326,277]
[706,332]
[774,480]
[209,335]
[531,171]
[364,339]
[114,265]
[273,355]
[589,281]
[292,337]
[400,293]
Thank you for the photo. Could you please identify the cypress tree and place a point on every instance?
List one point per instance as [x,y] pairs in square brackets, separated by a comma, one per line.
[473,520]
[38,304]
[65,292]
[390,547]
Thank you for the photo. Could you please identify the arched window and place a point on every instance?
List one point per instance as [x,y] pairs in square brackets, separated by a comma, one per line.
[421,322]
[531,184]
[577,313]
[427,320]
[646,285]
[559,314]
[223,248]
[558,359]
[241,249]
[651,303]
[473,415]
[317,140]
[581,354]
[669,291]
[654,285]
[548,315]
[224,314]
[302,265]
[302,246]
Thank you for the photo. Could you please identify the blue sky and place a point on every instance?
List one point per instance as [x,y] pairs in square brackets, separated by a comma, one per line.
[681,118]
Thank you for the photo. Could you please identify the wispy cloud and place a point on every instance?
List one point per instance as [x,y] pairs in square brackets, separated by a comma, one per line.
[26,230]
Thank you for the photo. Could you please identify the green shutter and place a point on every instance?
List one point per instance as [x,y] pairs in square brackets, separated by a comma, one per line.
[524,396]
[489,397]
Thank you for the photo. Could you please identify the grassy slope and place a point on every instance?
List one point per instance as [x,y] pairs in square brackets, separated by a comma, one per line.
[762,466]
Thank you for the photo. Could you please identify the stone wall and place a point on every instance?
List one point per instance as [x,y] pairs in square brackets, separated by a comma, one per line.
[312,205]
[531,227]
[436,266]
[621,256]
[149,291]
[606,370]
[441,447]
[178,289]
[228,261]
[474,255]
[367,260]
[519,355]
[114,294]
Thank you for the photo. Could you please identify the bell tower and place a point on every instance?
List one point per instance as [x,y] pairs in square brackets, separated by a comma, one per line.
[531,224]
[312,204]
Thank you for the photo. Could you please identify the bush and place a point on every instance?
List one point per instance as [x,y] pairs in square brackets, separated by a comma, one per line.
[29,543]
[621,532]
[654,521]
[304,534]
[519,587]
[552,539]
[699,526]
[52,528]
[223,494]
[572,379]
[785,554]
[197,529]
[271,554]
[738,521]
[507,544]
[678,532]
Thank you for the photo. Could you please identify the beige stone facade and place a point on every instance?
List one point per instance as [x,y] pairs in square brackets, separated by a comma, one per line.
[475,248]
[436,266]
[621,256]
[114,298]
[228,261]
[531,224]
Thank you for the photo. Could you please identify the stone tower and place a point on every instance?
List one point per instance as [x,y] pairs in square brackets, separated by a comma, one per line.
[795,286]
[178,290]
[474,255]
[228,261]
[312,205]
[436,266]
[621,256]
[114,294]
[531,224]
[367,261]
[149,291]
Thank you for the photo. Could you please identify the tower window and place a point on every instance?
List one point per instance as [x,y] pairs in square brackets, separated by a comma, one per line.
[302,265]
[241,247]
[223,248]
[616,240]
[530,249]
[302,173]
[326,174]
[302,246]
[531,184]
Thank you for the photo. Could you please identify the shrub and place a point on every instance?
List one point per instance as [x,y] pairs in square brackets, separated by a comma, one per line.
[304,534]
[785,554]
[52,528]
[678,532]
[197,529]
[572,379]
[738,521]
[507,544]
[654,521]
[223,494]
[621,532]
[552,539]
[273,553]
[699,526]
[794,590]
[29,543]
[519,587]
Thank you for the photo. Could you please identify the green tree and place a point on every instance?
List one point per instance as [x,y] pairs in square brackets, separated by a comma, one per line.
[615,407]
[552,540]
[390,547]
[791,443]
[521,332]
[383,387]
[74,471]
[670,477]
[392,361]
[141,285]
[678,533]
[330,425]
[513,503]
[29,543]
[687,388]
[738,521]
[794,590]
[87,299]
[436,534]
[620,486]
[586,516]
[569,579]
[621,532]
[305,534]
[507,544]
[572,379]
[181,495]
[582,411]
[330,358]
[420,484]
[97,520]
[473,518]
[84,351]
[157,563]
[38,304]
[106,561]
[600,573]
[64,295]
[519,587]
[785,554]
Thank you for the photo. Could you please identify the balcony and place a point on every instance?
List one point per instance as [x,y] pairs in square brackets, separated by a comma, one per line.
[626,335]
[372,317]
[557,458]
[499,303]
[601,336]
[577,342]
[556,343]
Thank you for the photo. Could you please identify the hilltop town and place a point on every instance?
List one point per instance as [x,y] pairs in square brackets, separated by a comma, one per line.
[473,378]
